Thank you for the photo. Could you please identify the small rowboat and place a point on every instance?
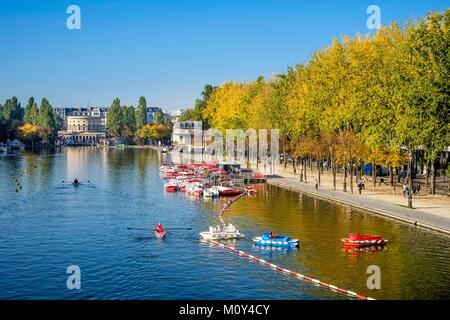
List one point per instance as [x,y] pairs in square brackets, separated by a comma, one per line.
[159,231]
[277,241]
[358,240]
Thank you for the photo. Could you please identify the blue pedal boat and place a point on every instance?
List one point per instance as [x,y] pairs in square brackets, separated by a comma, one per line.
[278,241]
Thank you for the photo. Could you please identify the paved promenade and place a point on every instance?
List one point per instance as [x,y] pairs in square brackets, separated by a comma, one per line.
[436,216]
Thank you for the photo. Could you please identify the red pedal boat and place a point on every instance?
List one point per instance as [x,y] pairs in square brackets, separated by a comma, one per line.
[358,240]
[229,192]
[250,190]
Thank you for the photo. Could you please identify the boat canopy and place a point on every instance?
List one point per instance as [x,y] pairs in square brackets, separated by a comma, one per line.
[266,236]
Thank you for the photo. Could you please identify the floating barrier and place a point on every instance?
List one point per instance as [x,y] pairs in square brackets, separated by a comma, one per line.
[229,203]
[292,273]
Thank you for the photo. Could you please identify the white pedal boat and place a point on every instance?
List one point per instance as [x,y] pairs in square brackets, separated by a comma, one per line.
[228,232]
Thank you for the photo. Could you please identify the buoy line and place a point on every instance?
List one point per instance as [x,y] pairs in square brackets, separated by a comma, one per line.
[297,275]
[229,204]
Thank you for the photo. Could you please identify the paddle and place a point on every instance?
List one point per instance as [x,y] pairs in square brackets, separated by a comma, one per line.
[71,182]
[148,229]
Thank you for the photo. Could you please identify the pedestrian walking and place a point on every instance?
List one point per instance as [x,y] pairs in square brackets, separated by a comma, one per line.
[418,190]
[317,185]
[407,192]
[360,186]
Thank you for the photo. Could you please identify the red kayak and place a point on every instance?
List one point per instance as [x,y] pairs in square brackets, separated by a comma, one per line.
[159,231]
[358,240]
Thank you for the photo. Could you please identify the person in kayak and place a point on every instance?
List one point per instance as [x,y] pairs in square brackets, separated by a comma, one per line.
[272,234]
[75,182]
[159,228]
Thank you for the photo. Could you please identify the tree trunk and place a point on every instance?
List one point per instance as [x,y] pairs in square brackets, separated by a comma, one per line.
[284,155]
[333,169]
[362,169]
[393,179]
[304,171]
[345,178]
[428,173]
[310,163]
[410,179]
[318,169]
[301,169]
[351,176]
[391,176]
[433,178]
[374,175]
[293,166]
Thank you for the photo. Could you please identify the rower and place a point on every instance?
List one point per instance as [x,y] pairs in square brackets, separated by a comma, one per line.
[159,228]
[75,182]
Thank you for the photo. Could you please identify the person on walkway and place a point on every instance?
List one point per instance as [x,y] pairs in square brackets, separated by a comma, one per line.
[407,192]
[418,190]
[360,186]
[317,185]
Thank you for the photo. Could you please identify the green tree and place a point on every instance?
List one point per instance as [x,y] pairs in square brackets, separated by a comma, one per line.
[428,53]
[46,116]
[59,123]
[114,119]
[47,126]
[11,110]
[141,113]
[31,112]
[158,118]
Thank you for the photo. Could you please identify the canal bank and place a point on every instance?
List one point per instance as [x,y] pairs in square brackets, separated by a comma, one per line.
[438,222]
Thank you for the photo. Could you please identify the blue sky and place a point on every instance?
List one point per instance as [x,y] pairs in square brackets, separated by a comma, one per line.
[168,50]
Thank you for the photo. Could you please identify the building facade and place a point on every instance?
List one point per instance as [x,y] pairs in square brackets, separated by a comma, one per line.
[83,125]
[183,132]
[150,113]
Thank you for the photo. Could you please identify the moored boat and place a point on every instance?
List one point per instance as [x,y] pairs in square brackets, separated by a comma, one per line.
[268,239]
[211,192]
[250,190]
[358,240]
[171,186]
[229,192]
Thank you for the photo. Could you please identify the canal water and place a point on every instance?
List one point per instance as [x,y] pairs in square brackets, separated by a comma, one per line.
[48,225]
